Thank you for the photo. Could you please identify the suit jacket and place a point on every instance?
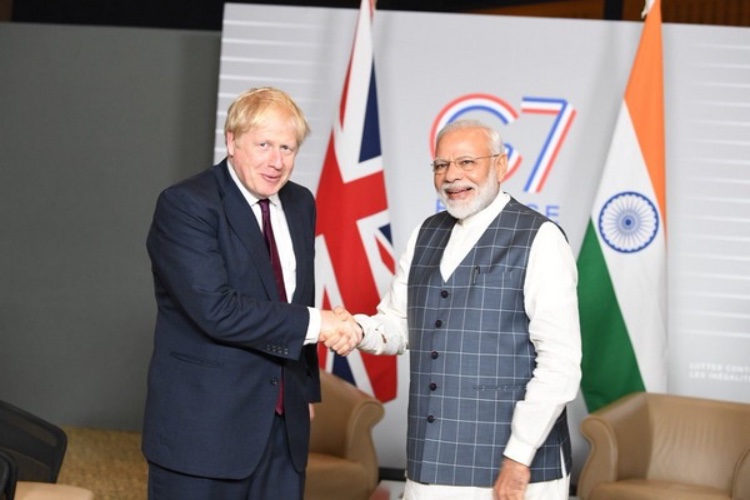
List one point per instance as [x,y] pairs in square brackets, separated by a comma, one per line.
[222,339]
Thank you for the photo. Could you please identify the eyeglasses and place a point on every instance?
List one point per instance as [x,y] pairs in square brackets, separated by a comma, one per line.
[465,163]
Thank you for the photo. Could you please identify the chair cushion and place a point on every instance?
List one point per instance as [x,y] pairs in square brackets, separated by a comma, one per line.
[638,489]
[330,477]
[30,490]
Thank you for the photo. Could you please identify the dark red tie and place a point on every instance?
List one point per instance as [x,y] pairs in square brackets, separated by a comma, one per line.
[273,252]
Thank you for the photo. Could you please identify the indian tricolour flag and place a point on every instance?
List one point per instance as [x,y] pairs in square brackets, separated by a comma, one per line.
[622,263]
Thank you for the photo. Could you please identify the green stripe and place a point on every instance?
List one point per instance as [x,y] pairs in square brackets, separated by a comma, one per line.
[610,369]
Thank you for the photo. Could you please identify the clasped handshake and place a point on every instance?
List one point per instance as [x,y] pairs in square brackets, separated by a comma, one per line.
[339,332]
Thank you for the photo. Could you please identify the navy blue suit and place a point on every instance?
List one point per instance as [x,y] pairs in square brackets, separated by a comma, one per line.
[222,337]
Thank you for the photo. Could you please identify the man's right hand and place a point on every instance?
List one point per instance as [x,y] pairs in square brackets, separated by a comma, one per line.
[339,332]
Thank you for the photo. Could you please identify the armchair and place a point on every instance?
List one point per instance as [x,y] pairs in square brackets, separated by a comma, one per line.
[343,462]
[658,446]
[32,450]
[7,476]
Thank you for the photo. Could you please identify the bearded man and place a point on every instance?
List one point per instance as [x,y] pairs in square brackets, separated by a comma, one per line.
[484,298]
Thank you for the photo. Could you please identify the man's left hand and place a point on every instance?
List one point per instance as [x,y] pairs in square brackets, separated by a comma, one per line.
[512,481]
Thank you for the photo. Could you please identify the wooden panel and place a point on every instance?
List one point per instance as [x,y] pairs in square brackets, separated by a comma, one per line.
[6,8]
[577,9]
[718,12]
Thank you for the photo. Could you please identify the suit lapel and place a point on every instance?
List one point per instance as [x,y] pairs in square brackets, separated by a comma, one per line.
[294,220]
[245,226]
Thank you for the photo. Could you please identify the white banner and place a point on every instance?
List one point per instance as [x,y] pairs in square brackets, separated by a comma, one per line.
[553,88]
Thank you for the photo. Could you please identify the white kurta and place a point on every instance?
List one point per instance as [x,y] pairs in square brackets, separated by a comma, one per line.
[551,303]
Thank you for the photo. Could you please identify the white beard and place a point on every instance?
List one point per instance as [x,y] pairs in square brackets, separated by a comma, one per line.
[483,196]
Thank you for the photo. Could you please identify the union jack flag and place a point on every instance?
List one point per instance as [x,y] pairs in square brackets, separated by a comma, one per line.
[354,249]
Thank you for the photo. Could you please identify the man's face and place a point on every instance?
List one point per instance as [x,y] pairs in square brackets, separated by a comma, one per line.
[466,191]
[263,158]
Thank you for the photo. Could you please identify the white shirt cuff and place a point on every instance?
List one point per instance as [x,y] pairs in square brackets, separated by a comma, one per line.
[520,452]
[313,327]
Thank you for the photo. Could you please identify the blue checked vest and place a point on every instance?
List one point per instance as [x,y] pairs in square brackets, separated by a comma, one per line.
[471,356]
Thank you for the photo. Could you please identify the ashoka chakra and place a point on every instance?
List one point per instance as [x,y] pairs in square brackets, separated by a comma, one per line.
[628,222]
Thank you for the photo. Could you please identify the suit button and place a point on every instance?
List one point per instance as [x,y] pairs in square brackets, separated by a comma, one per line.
[438,323]
[433,386]
[274,381]
[434,355]
[430,418]
[444,294]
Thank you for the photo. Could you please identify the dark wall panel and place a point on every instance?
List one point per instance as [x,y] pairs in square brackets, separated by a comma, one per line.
[94,122]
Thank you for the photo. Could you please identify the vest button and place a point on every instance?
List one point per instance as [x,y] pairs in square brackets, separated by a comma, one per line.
[274,381]
[433,386]
[438,323]
[434,355]
[430,418]
[444,293]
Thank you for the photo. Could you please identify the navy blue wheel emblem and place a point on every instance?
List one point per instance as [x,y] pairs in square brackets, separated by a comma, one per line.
[628,222]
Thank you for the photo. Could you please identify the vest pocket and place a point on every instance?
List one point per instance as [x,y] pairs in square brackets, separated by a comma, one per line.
[495,286]
[498,276]
[499,388]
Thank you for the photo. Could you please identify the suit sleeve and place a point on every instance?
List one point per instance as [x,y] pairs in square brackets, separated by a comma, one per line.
[193,254]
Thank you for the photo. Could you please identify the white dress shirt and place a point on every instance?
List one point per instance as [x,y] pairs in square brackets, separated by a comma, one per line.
[284,245]
[551,304]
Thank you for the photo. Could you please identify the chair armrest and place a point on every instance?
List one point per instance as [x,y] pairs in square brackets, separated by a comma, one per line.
[620,438]
[359,431]
[8,476]
[26,490]
[601,463]
[343,424]
[741,478]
